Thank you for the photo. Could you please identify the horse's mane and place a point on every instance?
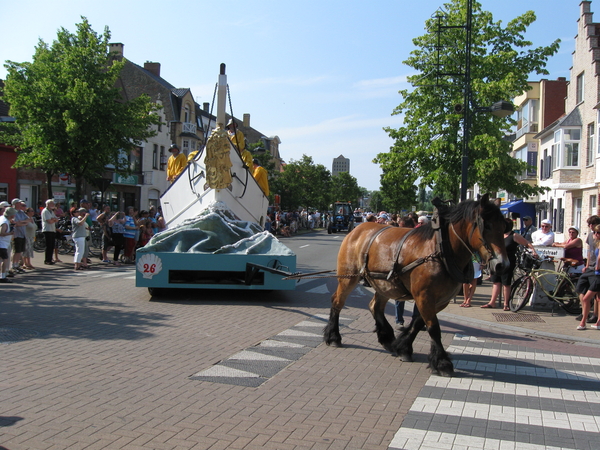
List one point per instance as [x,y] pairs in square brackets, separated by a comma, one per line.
[465,210]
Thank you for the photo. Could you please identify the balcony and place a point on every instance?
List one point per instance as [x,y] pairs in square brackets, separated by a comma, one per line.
[188,127]
[528,128]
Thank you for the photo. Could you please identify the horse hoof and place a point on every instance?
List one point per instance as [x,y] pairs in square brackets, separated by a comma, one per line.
[406,358]
[337,344]
[444,371]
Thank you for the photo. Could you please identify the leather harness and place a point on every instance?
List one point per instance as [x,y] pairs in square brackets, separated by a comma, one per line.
[443,251]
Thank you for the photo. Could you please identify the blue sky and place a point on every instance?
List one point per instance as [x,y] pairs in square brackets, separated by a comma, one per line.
[323,75]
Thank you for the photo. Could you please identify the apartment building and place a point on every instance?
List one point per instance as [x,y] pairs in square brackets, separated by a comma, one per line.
[569,155]
[536,109]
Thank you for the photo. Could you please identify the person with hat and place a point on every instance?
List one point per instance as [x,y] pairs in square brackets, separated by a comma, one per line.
[176,163]
[20,237]
[261,176]
[239,142]
[79,235]
[544,236]
[528,228]
[573,249]
[6,235]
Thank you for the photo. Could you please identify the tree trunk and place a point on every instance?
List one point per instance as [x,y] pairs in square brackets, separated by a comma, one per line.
[78,183]
[49,176]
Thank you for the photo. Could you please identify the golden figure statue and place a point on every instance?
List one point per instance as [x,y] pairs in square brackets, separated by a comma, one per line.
[217,159]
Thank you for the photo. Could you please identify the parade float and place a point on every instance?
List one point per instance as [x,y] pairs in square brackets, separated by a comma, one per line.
[215,213]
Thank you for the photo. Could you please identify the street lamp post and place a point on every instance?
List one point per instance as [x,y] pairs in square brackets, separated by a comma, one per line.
[499,109]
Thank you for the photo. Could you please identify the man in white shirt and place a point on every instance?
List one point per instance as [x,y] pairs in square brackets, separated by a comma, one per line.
[544,236]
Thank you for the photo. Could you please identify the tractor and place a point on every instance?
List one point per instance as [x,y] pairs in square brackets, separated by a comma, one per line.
[342,218]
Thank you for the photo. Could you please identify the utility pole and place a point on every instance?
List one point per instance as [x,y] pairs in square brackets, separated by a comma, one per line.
[467,104]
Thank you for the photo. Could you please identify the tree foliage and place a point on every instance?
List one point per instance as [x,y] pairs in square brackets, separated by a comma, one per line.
[344,187]
[303,184]
[428,147]
[70,115]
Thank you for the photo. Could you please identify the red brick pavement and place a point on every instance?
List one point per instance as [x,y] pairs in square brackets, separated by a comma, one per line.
[110,370]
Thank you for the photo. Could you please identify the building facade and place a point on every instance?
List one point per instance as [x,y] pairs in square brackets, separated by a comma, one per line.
[340,164]
[182,121]
[569,155]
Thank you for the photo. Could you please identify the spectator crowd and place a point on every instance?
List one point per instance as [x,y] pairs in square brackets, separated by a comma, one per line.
[120,233]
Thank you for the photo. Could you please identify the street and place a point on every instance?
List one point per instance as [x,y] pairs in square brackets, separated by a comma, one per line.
[92,362]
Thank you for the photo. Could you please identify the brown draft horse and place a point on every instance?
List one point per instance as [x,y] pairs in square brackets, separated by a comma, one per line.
[427,264]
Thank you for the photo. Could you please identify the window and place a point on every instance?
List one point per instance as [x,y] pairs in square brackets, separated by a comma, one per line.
[554,156]
[592,205]
[577,202]
[155,157]
[159,124]
[163,158]
[579,87]
[186,114]
[135,160]
[559,216]
[186,147]
[571,152]
[3,192]
[590,144]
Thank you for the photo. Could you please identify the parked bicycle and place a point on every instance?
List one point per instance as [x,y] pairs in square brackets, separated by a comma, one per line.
[557,285]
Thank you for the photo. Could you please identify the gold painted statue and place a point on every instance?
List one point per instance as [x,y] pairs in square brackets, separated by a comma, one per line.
[217,159]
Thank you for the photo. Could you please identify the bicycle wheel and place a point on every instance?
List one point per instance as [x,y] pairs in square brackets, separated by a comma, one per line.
[65,246]
[39,244]
[520,293]
[568,299]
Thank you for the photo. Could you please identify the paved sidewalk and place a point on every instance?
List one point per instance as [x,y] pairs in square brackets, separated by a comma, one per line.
[121,372]
[535,322]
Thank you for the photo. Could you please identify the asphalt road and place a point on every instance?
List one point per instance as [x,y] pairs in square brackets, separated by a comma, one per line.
[89,361]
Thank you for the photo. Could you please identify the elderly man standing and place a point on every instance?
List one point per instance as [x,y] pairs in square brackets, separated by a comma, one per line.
[544,236]
[49,220]
[20,237]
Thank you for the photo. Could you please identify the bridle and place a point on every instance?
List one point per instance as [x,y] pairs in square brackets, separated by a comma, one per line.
[478,225]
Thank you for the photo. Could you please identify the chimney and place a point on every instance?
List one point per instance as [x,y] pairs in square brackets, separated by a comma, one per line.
[206,106]
[246,120]
[117,49]
[152,67]
[562,79]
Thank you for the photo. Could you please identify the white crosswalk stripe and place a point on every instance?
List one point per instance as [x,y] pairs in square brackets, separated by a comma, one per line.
[270,356]
[506,397]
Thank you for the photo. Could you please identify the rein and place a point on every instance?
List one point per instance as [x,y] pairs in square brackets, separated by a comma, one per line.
[461,241]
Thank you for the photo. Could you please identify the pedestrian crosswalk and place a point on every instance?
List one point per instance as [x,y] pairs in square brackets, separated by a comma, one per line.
[253,366]
[506,397]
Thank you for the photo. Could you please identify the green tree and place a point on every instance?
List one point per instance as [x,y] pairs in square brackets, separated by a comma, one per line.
[375,201]
[397,195]
[70,114]
[303,184]
[344,187]
[429,144]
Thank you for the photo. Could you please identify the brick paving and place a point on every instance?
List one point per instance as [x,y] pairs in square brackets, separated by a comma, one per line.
[99,366]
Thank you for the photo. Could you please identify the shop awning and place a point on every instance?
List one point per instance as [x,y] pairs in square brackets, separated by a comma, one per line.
[520,207]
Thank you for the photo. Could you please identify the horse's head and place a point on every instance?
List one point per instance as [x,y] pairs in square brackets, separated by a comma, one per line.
[487,235]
